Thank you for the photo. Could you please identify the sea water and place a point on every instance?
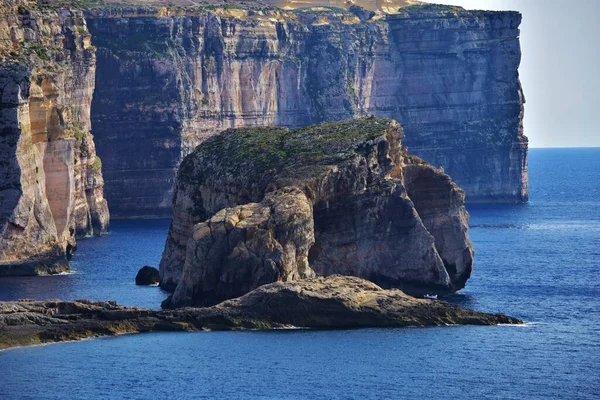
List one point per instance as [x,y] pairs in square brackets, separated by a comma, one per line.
[538,261]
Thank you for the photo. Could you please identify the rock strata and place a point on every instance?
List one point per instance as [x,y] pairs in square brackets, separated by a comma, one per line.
[168,79]
[51,186]
[335,302]
[259,205]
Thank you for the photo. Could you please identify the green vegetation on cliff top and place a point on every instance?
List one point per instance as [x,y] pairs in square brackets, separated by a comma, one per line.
[195,7]
[430,8]
[275,149]
[170,4]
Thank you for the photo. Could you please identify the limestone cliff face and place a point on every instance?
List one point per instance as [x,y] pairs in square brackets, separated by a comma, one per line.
[165,82]
[260,205]
[51,186]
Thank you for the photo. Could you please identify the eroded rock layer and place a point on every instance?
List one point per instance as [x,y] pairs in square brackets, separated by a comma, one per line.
[167,80]
[51,186]
[335,302]
[259,205]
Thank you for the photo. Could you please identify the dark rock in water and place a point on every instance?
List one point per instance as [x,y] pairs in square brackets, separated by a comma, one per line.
[259,205]
[147,276]
[334,302]
[48,264]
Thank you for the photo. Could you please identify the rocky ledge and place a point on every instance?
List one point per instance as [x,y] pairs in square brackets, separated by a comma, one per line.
[259,205]
[325,303]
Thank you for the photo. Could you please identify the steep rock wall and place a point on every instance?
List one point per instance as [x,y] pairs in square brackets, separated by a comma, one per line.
[257,205]
[165,83]
[51,186]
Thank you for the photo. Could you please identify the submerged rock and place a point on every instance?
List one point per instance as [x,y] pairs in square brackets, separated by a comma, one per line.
[334,302]
[147,276]
[260,205]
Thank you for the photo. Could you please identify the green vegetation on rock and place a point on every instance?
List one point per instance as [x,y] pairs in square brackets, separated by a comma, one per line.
[81,29]
[430,8]
[77,131]
[77,4]
[281,150]
[97,165]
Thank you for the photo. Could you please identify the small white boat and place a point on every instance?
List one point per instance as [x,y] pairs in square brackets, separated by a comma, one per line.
[430,296]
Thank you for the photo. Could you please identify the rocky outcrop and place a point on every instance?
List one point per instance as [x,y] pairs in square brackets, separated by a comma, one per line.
[435,198]
[335,302]
[258,205]
[349,302]
[167,79]
[244,247]
[51,187]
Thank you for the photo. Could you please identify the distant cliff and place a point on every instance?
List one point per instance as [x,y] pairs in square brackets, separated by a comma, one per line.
[259,205]
[51,187]
[166,80]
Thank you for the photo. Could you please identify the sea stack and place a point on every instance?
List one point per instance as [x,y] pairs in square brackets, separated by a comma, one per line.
[259,205]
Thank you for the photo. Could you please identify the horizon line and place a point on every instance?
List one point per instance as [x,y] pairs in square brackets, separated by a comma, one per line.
[566,147]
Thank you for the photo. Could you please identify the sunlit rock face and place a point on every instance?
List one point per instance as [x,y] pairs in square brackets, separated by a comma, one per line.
[259,205]
[51,186]
[165,83]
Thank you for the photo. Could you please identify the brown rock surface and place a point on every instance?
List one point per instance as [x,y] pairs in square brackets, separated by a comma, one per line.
[349,302]
[51,186]
[335,302]
[241,248]
[345,186]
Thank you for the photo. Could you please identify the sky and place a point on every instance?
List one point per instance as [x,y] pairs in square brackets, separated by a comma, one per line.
[560,68]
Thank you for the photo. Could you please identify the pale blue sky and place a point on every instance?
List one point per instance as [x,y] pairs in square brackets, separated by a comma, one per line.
[560,68]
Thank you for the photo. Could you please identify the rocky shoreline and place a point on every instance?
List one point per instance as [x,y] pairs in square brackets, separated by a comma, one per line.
[36,266]
[335,302]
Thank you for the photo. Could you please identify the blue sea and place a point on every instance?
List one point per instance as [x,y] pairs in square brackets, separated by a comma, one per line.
[538,261]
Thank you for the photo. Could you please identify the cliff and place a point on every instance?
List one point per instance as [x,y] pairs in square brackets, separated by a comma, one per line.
[327,303]
[258,205]
[51,187]
[169,78]
[162,79]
